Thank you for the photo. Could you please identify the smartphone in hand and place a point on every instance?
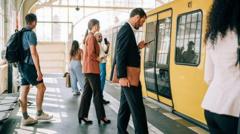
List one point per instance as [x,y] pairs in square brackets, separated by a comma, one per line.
[106,41]
[149,42]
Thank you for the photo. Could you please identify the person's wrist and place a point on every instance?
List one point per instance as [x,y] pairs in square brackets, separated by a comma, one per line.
[124,78]
[39,72]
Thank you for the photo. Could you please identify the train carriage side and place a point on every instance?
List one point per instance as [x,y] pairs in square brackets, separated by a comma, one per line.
[173,64]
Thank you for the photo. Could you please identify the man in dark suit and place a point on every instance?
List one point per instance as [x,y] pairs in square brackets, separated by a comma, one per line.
[128,55]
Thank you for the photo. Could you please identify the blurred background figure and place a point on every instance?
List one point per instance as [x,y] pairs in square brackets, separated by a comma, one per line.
[75,68]
[189,56]
[104,47]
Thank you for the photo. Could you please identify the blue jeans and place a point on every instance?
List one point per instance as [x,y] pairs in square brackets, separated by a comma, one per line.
[102,75]
[76,75]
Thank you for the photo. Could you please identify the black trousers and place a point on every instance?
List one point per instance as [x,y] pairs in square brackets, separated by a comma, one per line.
[221,124]
[239,125]
[92,86]
[132,103]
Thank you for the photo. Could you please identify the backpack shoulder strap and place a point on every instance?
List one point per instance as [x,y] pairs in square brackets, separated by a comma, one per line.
[25,30]
[27,52]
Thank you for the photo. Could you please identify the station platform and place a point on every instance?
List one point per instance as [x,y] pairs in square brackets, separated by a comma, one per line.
[60,102]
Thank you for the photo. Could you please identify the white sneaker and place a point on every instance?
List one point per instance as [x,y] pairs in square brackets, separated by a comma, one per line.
[44,116]
[76,93]
[29,121]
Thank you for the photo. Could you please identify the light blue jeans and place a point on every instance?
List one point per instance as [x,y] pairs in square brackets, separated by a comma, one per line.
[102,75]
[76,75]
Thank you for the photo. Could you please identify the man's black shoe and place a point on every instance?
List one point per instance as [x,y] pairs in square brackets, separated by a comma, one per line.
[105,102]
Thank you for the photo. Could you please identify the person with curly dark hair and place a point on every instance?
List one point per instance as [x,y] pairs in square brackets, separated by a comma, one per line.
[222,70]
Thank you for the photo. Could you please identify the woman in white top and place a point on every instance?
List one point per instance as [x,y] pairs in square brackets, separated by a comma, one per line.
[103,59]
[222,70]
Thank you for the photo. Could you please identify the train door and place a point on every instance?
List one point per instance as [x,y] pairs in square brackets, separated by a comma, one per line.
[156,60]
[162,57]
[187,69]
[150,57]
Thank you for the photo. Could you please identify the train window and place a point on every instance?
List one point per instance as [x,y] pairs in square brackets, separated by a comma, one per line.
[162,61]
[149,60]
[163,41]
[188,42]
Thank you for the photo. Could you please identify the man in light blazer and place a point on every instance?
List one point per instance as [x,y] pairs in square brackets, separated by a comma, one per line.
[128,55]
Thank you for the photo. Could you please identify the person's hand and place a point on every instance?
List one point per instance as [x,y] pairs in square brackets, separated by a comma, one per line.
[40,76]
[99,59]
[141,44]
[108,43]
[124,82]
[106,55]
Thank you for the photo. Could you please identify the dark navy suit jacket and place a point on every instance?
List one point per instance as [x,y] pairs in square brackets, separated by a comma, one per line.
[127,52]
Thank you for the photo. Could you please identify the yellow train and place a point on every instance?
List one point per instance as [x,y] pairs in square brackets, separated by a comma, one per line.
[172,66]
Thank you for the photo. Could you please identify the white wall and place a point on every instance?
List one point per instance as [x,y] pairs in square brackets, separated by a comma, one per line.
[8,13]
[3,78]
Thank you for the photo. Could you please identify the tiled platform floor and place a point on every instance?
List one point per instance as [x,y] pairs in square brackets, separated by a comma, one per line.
[60,102]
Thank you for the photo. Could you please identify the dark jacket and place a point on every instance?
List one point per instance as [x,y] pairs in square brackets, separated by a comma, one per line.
[127,51]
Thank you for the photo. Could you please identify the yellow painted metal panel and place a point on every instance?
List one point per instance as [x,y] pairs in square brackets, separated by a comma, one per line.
[142,78]
[152,18]
[152,95]
[165,101]
[109,64]
[165,14]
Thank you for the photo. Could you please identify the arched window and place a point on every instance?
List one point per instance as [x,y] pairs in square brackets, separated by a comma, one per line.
[59,19]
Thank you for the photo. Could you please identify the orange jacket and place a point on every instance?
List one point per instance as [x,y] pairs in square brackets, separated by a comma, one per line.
[90,55]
